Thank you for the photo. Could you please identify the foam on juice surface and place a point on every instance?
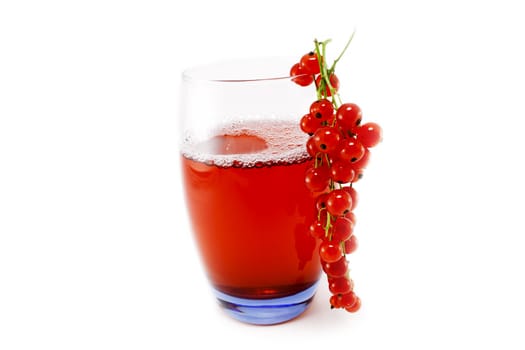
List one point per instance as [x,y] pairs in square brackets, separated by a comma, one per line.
[261,143]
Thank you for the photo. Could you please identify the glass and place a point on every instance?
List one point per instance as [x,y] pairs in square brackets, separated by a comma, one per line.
[243,160]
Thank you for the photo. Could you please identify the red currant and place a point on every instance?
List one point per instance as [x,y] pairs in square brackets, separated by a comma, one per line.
[317,230]
[335,302]
[363,161]
[339,202]
[348,300]
[351,149]
[330,252]
[350,216]
[360,165]
[355,306]
[310,63]
[334,81]
[353,193]
[342,172]
[325,89]
[316,179]
[340,285]
[350,245]
[320,202]
[337,268]
[342,229]
[359,172]
[311,148]
[309,124]
[299,76]
[370,134]
[327,139]
[348,116]
[322,110]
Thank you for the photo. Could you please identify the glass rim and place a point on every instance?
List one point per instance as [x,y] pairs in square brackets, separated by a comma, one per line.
[242,70]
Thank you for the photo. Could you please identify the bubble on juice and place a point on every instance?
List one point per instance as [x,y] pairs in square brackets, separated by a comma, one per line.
[284,144]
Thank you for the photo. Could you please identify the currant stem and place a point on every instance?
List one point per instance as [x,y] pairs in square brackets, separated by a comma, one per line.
[317,88]
[325,84]
[320,60]
[328,225]
[319,214]
[325,75]
[342,52]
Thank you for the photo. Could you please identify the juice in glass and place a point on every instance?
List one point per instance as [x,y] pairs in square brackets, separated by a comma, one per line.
[250,209]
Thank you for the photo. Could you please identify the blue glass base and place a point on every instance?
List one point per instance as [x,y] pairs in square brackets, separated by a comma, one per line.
[266,311]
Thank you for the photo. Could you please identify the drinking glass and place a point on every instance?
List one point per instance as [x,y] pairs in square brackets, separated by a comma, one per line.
[243,159]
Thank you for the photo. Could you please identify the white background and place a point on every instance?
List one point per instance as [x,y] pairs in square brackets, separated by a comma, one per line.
[95,248]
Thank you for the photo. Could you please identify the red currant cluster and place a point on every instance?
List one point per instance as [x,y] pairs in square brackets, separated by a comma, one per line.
[339,145]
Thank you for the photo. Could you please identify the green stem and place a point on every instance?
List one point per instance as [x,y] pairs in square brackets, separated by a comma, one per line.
[328,224]
[331,185]
[321,63]
[342,52]
[317,89]
[319,214]
[327,160]
[325,75]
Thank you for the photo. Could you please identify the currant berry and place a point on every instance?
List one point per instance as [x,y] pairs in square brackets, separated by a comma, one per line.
[342,172]
[335,302]
[370,134]
[355,306]
[350,245]
[342,229]
[363,161]
[320,202]
[325,89]
[309,124]
[353,193]
[317,230]
[338,268]
[360,166]
[299,76]
[351,150]
[348,300]
[340,285]
[359,173]
[316,179]
[350,216]
[322,110]
[339,202]
[348,116]
[327,139]
[311,148]
[310,63]
[330,251]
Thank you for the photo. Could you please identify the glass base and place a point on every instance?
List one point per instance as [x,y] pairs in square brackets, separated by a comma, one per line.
[266,311]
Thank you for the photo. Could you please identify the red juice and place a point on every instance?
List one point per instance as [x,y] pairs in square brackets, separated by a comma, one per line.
[250,209]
